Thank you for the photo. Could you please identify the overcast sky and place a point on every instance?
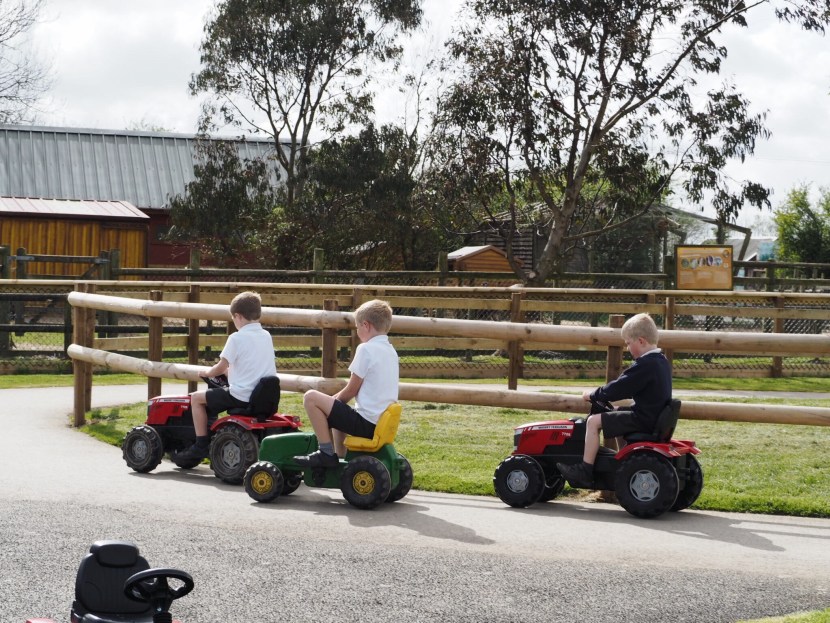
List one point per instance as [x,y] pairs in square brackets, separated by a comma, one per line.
[120,63]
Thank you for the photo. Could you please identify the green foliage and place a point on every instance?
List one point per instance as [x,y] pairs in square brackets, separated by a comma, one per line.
[804,230]
[360,206]
[284,68]
[596,107]
[223,209]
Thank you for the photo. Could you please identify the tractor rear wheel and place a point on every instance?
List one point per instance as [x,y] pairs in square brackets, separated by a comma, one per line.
[646,484]
[232,451]
[365,482]
[404,481]
[519,481]
[694,485]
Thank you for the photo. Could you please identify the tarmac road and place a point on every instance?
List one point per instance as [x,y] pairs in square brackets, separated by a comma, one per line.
[431,557]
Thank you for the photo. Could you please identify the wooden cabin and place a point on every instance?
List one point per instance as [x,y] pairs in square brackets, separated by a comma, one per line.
[72,228]
[484,259]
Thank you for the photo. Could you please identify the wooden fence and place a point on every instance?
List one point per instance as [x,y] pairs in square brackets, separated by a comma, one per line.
[510,335]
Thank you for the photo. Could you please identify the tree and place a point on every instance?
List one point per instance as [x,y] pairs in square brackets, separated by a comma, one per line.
[360,206]
[286,69]
[223,210]
[589,110]
[22,80]
[804,230]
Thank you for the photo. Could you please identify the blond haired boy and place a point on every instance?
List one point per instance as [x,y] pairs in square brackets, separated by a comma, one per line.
[373,384]
[648,381]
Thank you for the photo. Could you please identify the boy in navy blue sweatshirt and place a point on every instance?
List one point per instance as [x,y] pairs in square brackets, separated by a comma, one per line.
[647,381]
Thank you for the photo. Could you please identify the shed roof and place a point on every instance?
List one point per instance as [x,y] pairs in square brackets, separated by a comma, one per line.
[467,252]
[56,208]
[142,168]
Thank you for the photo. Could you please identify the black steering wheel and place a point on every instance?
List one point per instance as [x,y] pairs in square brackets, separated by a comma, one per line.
[216,382]
[600,406]
[152,587]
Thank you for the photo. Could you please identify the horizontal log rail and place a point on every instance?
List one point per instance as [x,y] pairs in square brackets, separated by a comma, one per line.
[768,344]
[444,393]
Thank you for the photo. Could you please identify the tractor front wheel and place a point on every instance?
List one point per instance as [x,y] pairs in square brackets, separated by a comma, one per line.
[646,484]
[142,449]
[519,481]
[263,481]
[232,451]
[365,482]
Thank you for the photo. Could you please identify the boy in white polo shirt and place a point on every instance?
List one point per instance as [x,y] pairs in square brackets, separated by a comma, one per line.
[373,384]
[247,357]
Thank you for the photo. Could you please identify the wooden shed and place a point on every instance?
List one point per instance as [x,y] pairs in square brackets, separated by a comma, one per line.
[485,259]
[77,228]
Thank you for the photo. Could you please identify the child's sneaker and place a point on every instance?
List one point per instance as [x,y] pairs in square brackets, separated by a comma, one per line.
[579,476]
[317,459]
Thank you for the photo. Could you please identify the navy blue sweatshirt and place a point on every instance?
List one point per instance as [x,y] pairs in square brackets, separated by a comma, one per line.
[647,381]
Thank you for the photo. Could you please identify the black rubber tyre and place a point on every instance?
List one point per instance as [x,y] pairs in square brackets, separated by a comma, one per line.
[404,481]
[263,481]
[142,449]
[554,487]
[232,451]
[365,482]
[184,463]
[519,481]
[291,482]
[694,485]
[646,484]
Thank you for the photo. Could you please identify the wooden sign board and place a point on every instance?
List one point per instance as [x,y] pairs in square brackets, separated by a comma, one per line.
[703,267]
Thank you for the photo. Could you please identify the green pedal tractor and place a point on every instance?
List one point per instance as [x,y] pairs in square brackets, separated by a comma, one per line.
[371,473]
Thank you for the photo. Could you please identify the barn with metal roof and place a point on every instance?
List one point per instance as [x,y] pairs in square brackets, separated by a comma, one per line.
[108,177]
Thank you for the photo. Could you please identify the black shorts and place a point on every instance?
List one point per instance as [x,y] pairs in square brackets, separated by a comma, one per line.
[219,400]
[621,423]
[345,418]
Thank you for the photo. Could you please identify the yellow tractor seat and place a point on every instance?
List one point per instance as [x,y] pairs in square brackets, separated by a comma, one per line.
[385,431]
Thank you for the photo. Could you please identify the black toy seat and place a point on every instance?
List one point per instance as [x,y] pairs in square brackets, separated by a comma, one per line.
[99,585]
[265,399]
[666,423]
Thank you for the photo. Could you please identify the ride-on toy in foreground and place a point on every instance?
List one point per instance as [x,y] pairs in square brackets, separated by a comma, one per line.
[116,585]
[651,474]
[371,473]
[235,437]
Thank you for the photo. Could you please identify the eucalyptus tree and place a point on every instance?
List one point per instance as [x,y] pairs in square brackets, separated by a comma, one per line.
[588,113]
[297,70]
[22,79]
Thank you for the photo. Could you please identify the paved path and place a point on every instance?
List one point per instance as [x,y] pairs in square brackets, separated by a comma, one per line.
[430,557]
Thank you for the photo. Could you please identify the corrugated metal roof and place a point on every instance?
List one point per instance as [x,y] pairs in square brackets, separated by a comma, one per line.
[119,210]
[142,168]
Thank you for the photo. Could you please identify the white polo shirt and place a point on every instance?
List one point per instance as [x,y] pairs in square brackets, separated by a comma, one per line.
[250,353]
[376,362]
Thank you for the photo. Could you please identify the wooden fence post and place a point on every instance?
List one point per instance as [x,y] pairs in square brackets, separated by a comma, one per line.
[21,266]
[668,325]
[329,346]
[5,306]
[155,348]
[357,301]
[613,363]
[777,370]
[83,331]
[515,349]
[193,336]
[115,264]
[317,265]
